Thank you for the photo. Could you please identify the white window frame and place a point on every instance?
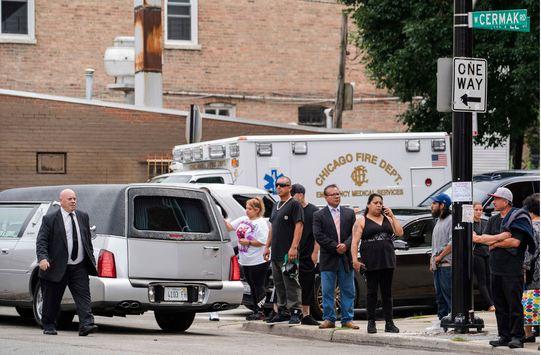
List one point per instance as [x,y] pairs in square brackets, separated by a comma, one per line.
[179,44]
[220,106]
[29,38]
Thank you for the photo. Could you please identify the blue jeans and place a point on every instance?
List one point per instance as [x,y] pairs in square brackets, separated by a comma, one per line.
[443,283]
[347,293]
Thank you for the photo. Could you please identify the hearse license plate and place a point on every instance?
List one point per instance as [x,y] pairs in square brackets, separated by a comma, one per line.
[179,294]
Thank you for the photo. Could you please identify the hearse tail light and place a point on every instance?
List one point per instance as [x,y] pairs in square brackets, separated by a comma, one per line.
[217,151]
[234,150]
[264,149]
[106,264]
[438,145]
[234,269]
[413,145]
[299,148]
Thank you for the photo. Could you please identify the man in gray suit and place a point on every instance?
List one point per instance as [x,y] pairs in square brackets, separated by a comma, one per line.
[66,258]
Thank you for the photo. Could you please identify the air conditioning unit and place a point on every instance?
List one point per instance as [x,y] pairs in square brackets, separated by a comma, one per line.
[312,115]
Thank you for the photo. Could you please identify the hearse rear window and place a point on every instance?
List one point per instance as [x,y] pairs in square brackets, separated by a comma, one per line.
[12,219]
[170,214]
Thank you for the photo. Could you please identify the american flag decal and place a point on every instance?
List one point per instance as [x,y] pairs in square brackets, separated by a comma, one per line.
[439,159]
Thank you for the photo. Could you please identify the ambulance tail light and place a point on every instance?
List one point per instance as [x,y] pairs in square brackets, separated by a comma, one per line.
[198,153]
[187,155]
[234,150]
[438,145]
[413,145]
[217,151]
[264,149]
[428,182]
[299,148]
[177,155]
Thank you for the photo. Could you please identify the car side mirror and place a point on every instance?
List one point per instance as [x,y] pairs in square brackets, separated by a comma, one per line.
[93,234]
[489,210]
[400,245]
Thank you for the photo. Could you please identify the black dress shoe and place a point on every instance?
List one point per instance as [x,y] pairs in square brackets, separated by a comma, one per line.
[530,339]
[516,343]
[49,331]
[84,331]
[499,342]
[371,327]
[391,328]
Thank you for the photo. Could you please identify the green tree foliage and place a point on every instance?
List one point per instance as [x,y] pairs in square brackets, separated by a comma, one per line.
[402,40]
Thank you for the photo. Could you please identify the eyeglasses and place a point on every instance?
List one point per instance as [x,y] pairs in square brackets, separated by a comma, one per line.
[335,194]
[282,185]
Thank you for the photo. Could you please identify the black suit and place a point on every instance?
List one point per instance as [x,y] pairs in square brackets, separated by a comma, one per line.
[335,267]
[52,245]
[327,238]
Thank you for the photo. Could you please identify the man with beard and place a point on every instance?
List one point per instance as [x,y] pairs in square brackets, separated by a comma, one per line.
[440,262]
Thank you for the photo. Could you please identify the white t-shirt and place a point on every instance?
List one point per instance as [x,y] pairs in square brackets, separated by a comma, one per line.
[257,229]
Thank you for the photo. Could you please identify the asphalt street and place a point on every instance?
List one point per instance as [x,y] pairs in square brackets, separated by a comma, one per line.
[141,335]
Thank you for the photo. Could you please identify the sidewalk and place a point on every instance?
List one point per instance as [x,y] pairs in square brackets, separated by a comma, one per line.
[413,334]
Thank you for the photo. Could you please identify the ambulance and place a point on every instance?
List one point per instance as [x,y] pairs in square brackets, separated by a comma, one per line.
[402,167]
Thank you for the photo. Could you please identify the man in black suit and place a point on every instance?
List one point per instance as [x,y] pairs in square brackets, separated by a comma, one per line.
[65,254]
[332,227]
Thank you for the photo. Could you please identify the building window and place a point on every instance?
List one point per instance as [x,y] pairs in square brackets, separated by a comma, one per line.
[17,21]
[220,109]
[181,24]
[51,163]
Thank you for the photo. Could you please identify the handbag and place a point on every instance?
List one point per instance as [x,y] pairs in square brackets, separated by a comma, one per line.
[530,304]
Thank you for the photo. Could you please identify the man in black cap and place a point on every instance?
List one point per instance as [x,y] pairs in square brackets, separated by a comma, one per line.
[308,255]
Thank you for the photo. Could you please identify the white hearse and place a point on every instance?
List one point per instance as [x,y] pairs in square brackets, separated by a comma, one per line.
[158,248]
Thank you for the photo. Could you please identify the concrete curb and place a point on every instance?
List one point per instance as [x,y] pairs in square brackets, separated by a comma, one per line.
[397,340]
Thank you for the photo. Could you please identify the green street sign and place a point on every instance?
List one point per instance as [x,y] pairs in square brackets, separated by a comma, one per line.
[505,20]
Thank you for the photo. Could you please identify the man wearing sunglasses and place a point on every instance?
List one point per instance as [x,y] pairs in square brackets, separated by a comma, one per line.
[286,220]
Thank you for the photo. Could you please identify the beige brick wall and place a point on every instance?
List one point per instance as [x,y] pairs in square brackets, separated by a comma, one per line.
[248,47]
[103,144]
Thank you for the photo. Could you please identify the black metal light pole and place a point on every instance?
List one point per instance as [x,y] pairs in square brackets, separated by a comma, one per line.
[462,316]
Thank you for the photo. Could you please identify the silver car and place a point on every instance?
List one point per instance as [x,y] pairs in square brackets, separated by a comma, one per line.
[157,247]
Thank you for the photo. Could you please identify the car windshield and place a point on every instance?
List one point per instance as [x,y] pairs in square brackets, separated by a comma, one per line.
[481,189]
[176,179]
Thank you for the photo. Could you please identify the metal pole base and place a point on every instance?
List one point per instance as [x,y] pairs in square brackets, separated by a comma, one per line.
[462,324]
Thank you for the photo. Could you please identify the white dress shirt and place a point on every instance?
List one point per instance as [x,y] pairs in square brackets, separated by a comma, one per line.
[69,236]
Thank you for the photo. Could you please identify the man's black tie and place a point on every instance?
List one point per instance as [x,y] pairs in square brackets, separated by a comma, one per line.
[75,248]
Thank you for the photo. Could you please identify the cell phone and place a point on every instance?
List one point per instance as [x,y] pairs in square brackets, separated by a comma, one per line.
[384,210]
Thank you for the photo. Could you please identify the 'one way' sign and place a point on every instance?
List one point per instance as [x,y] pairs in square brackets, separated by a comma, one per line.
[469,84]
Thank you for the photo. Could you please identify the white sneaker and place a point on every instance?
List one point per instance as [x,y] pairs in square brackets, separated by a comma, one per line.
[435,327]
[213,316]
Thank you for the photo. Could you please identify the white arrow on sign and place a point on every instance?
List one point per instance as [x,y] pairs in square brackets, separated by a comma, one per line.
[469,84]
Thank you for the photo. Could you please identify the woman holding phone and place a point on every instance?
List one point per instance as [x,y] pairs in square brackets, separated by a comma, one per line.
[375,231]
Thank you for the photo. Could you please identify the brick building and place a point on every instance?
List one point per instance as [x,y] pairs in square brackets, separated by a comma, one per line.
[242,58]
[51,140]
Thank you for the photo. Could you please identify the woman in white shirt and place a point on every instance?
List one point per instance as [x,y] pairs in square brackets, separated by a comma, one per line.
[252,232]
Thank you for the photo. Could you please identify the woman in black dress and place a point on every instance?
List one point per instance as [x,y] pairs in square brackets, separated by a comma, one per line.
[481,270]
[375,230]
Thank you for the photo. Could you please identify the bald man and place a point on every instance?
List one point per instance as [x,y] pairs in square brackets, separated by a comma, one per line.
[66,258]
